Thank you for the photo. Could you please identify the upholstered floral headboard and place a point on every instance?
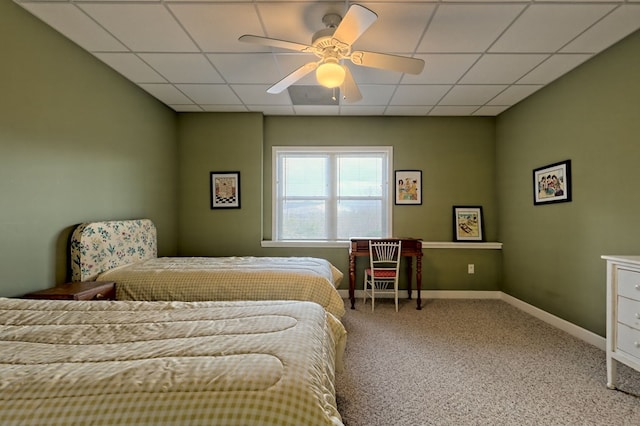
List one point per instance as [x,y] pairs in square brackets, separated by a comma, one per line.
[99,246]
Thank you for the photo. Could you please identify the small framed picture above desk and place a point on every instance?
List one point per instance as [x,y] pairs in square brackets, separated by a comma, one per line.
[408,185]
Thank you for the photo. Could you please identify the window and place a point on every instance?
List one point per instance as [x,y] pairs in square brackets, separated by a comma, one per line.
[331,193]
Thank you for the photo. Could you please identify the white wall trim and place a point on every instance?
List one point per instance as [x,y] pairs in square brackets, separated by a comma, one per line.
[566,326]
[346,244]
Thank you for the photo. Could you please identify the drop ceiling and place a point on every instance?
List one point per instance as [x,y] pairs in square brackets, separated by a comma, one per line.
[481,57]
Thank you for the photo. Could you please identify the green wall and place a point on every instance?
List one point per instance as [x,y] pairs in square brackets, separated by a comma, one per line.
[456,155]
[219,142]
[551,255]
[77,143]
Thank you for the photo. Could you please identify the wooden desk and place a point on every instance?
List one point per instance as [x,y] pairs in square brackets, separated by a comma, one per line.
[411,247]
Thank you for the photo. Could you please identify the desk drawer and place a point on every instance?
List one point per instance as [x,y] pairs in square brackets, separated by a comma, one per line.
[629,284]
[629,312]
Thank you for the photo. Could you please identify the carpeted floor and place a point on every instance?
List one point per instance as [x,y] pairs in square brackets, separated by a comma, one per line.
[474,362]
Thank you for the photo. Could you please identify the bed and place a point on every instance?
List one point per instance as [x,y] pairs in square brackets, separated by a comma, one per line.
[126,252]
[170,363]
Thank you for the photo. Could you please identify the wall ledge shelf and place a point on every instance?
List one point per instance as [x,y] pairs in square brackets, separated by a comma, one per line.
[491,245]
[425,244]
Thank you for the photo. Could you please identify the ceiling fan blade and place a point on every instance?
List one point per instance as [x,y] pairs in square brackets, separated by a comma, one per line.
[273,42]
[388,62]
[292,78]
[350,91]
[355,22]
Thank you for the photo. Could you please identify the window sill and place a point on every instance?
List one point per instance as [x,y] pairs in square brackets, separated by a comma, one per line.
[425,244]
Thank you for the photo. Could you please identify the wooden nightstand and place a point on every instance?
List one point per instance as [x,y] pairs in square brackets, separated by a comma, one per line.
[88,290]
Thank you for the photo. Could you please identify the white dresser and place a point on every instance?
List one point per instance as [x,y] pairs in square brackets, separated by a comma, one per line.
[623,314]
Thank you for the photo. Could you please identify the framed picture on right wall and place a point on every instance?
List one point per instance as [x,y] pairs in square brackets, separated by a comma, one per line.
[552,183]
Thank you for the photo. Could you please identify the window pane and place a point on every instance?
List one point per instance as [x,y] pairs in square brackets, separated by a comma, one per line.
[303,220]
[305,176]
[359,218]
[331,193]
[360,176]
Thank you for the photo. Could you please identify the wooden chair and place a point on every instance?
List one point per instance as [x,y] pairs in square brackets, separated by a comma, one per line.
[381,277]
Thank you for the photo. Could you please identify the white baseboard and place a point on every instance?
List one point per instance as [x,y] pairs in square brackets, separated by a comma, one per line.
[566,326]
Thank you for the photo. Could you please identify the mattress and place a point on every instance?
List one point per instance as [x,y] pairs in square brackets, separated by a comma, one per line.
[229,278]
[169,363]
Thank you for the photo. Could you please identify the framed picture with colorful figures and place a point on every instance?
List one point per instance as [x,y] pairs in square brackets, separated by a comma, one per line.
[225,190]
[552,183]
[408,186]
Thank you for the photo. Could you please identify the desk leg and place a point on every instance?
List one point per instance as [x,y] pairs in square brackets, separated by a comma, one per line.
[419,280]
[352,280]
[410,263]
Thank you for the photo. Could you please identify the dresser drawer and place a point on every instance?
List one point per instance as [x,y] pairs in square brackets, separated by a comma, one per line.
[629,312]
[629,340]
[629,284]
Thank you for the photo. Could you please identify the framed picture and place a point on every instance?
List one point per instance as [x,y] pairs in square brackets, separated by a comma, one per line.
[552,183]
[467,223]
[225,190]
[408,186]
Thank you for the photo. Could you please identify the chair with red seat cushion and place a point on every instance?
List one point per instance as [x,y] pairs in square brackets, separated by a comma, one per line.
[382,274]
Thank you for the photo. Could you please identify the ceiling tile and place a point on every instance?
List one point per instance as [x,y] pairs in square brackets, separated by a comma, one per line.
[183,67]
[490,110]
[210,94]
[375,94]
[131,66]
[552,68]
[472,94]
[398,28]
[514,94]
[407,110]
[467,28]
[296,22]
[257,95]
[272,109]
[501,68]
[453,110]
[166,93]
[75,25]
[258,68]
[614,27]
[141,27]
[217,27]
[548,27]
[444,68]
[186,108]
[224,108]
[419,94]
[368,75]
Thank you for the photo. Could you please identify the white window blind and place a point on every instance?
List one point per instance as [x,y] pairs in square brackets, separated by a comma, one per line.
[331,193]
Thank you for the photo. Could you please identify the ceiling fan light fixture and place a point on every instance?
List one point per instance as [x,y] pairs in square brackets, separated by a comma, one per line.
[330,74]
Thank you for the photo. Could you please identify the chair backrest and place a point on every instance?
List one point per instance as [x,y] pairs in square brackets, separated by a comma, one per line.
[385,255]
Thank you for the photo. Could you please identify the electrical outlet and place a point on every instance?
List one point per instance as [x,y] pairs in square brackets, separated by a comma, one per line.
[471,268]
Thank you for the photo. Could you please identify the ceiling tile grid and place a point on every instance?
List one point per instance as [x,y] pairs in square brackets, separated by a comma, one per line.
[481,57]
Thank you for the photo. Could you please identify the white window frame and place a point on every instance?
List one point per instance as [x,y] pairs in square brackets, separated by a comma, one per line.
[388,197]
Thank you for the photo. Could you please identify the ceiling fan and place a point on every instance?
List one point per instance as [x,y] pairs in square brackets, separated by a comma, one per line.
[333,45]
